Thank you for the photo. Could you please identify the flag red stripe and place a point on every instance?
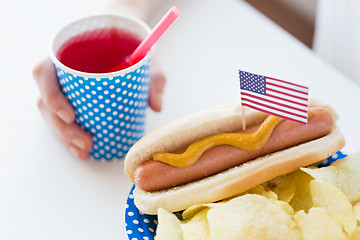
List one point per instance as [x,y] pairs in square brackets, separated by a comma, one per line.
[274,108]
[284,99]
[288,82]
[287,88]
[287,94]
[271,113]
[273,102]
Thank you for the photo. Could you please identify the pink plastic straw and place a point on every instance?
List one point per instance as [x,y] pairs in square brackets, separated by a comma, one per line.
[141,51]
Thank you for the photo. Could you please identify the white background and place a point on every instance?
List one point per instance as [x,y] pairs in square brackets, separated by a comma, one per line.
[46,193]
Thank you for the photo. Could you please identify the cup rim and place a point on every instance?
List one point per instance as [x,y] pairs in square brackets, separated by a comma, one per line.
[101,75]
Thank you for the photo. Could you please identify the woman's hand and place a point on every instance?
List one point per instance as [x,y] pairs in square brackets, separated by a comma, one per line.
[60,115]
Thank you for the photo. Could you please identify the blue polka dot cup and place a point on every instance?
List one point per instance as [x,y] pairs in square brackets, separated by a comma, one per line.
[111,106]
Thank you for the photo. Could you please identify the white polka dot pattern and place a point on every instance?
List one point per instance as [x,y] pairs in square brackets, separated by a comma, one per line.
[111,109]
[141,226]
[331,159]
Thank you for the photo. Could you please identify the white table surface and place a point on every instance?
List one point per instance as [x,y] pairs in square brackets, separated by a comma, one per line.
[46,193]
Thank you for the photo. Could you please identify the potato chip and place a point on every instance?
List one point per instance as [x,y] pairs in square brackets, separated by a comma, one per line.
[344,174]
[357,211]
[283,186]
[169,227]
[322,205]
[333,200]
[319,225]
[355,234]
[260,190]
[284,205]
[302,199]
[191,211]
[197,227]
[251,217]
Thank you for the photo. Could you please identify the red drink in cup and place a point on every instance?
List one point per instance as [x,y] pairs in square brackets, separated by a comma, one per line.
[99,51]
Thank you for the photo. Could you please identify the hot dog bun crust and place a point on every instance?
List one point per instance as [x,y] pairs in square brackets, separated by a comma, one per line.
[220,119]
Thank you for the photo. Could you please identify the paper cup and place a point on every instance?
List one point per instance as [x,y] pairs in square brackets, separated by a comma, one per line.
[111,106]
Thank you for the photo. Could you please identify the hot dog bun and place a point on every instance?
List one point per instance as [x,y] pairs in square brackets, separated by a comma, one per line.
[220,119]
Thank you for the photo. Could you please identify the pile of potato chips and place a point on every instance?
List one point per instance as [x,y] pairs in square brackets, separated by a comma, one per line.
[311,203]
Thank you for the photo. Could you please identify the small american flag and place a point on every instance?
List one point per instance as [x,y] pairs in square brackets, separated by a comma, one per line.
[273,96]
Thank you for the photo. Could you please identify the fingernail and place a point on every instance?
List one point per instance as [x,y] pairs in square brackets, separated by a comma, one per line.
[64,115]
[80,143]
[75,151]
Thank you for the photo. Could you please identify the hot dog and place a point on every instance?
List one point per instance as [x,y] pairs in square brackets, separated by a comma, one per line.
[223,170]
[150,175]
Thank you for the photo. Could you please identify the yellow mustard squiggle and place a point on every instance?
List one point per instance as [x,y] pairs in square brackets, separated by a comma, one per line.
[246,141]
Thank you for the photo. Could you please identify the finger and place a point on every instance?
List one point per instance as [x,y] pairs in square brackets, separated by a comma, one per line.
[157,85]
[76,139]
[52,96]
